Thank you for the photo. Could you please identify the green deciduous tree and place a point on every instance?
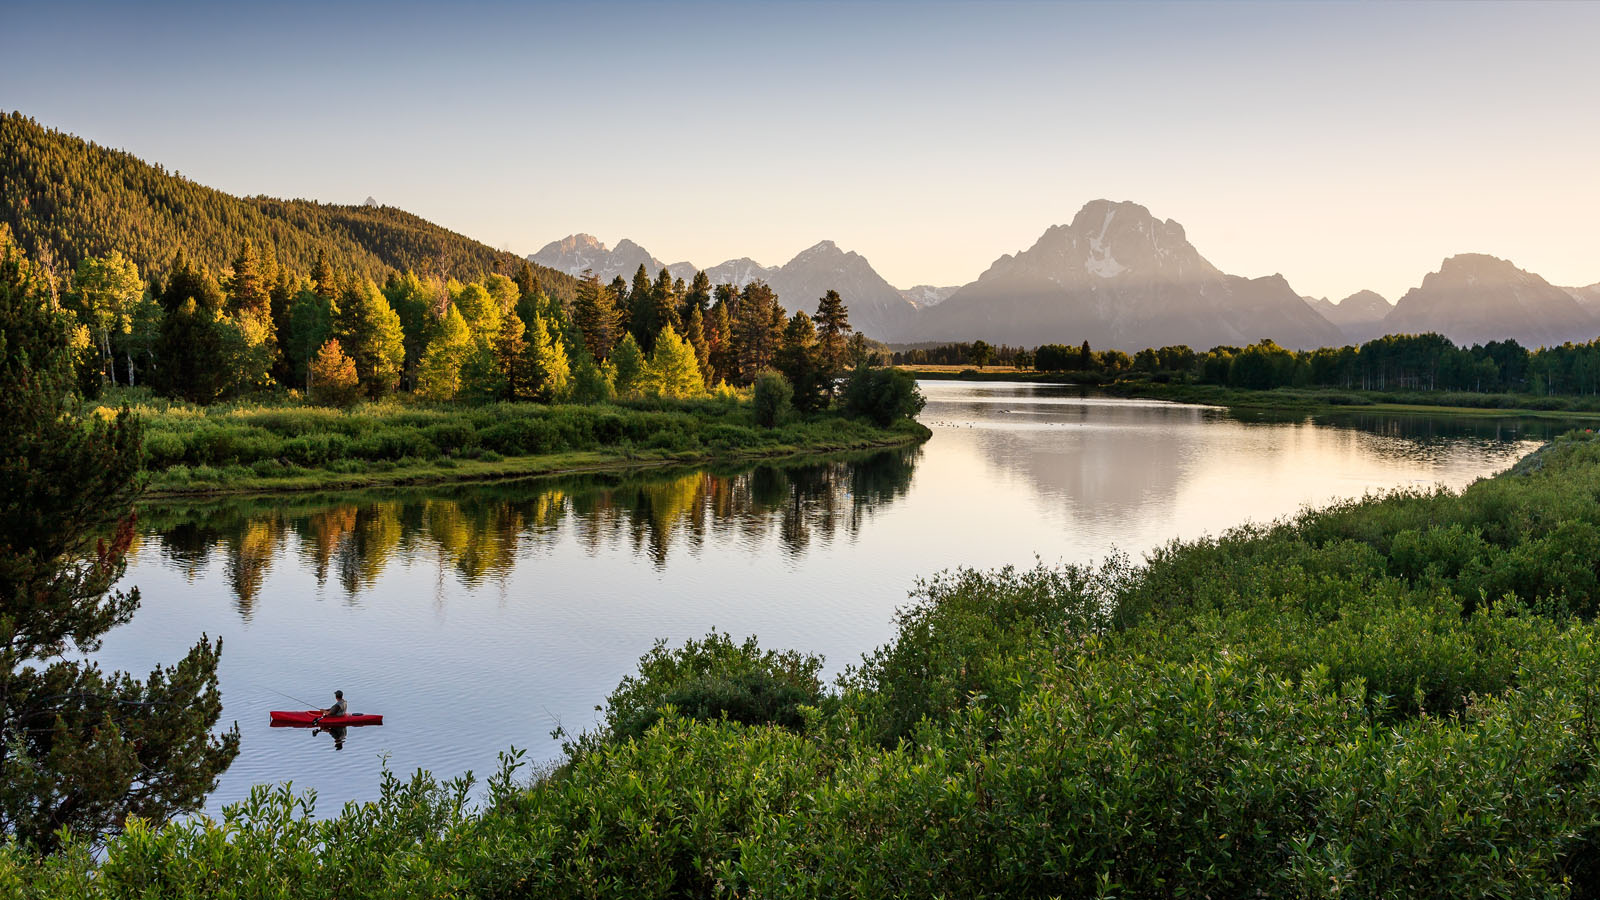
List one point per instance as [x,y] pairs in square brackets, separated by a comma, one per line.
[80,749]
[439,374]
[105,292]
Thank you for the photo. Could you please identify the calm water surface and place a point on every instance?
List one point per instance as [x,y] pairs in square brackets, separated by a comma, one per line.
[476,619]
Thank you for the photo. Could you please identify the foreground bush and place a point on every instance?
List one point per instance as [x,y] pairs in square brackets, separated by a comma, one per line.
[1395,697]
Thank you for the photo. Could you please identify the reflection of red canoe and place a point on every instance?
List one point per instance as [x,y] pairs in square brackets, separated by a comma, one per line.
[307,718]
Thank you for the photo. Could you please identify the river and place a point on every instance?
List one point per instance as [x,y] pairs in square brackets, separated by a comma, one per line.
[478,618]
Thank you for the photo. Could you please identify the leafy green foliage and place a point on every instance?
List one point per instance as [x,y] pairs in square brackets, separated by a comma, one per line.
[882,395]
[770,398]
[713,679]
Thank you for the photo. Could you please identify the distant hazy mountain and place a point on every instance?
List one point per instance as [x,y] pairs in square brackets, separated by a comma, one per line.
[1475,298]
[923,296]
[1360,316]
[1119,277]
[877,308]
[575,253]
[1587,297]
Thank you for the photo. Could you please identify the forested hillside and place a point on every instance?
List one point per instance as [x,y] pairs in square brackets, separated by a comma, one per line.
[66,199]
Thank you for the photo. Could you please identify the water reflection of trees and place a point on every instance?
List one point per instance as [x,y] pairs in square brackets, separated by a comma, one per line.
[478,532]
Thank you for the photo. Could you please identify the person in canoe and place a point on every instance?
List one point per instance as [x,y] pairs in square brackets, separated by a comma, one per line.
[339,708]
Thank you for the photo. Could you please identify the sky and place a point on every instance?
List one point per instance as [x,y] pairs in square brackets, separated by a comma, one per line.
[1347,146]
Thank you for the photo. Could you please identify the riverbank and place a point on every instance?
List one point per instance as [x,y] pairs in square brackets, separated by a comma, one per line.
[242,449]
[1328,700]
[1311,400]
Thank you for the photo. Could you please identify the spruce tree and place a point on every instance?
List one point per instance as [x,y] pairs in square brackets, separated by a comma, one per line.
[627,362]
[323,279]
[697,297]
[80,749]
[190,351]
[369,331]
[596,315]
[281,298]
[511,352]
[833,331]
[642,309]
[799,361]
[247,292]
[719,335]
[694,333]
[665,293]
[550,372]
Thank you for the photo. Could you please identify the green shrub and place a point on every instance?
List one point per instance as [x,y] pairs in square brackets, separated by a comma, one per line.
[711,679]
[882,395]
[770,398]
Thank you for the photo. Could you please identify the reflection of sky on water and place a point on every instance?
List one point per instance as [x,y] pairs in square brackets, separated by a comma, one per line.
[476,618]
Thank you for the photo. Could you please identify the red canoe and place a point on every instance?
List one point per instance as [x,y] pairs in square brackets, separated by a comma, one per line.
[309,717]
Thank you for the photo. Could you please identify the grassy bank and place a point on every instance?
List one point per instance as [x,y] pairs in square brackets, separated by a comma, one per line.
[1394,697]
[287,447]
[1328,400]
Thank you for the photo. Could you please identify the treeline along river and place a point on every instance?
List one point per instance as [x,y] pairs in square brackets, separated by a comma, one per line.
[477,618]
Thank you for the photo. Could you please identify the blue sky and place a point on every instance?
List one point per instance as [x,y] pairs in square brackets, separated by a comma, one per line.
[1346,145]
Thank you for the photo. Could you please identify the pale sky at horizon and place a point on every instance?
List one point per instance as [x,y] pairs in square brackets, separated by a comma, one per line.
[1345,145]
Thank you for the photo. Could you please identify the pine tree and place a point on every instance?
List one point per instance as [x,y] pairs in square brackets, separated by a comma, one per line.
[591,380]
[627,362]
[248,294]
[549,370]
[527,282]
[310,325]
[369,331]
[697,297]
[190,349]
[694,334]
[755,337]
[719,335]
[665,315]
[833,330]
[799,361]
[642,309]
[323,279]
[511,352]
[596,315]
[333,376]
[282,297]
[80,749]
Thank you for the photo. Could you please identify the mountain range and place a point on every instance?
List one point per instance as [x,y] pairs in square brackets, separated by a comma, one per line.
[1118,277]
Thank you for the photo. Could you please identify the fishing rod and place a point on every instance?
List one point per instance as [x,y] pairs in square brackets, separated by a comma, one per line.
[292,697]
